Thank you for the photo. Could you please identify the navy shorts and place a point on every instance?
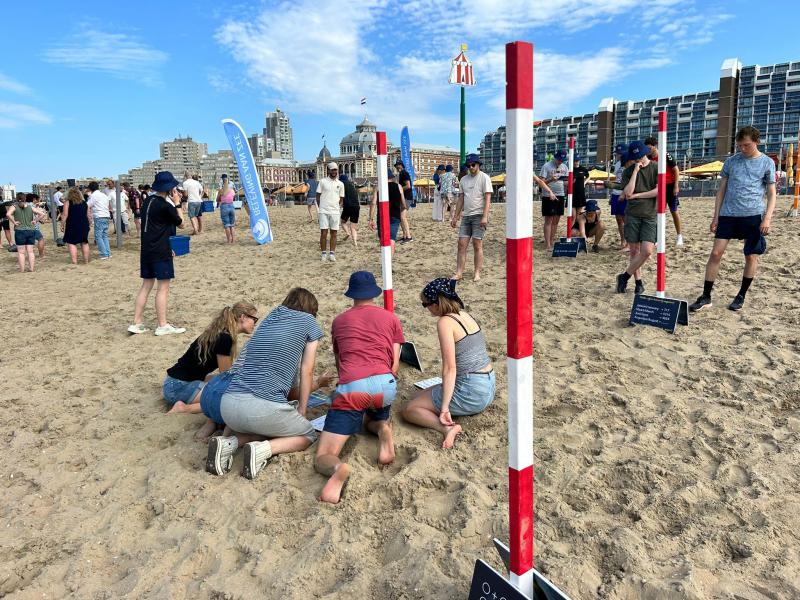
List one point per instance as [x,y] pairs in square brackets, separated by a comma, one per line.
[743,228]
[672,200]
[37,235]
[618,206]
[371,397]
[158,269]
[24,237]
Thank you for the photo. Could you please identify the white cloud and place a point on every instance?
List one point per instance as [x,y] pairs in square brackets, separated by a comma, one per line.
[116,54]
[16,115]
[9,85]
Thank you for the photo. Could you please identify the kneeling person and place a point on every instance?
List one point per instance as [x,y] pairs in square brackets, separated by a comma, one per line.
[366,343]
[588,225]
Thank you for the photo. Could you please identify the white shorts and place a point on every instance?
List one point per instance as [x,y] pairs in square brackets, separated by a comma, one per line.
[327,221]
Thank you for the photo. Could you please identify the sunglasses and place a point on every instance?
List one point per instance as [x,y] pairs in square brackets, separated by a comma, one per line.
[255,319]
[470,165]
[427,304]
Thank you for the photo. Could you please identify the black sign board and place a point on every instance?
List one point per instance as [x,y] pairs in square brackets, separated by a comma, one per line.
[665,313]
[488,584]
[581,243]
[408,355]
[566,249]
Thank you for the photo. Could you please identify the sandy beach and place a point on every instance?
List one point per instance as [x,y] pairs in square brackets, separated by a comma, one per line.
[667,466]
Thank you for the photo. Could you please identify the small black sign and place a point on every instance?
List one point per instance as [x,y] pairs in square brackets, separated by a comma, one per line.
[566,249]
[488,584]
[581,243]
[665,313]
[409,355]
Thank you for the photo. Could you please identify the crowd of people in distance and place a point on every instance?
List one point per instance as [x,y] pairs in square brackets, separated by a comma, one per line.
[259,397]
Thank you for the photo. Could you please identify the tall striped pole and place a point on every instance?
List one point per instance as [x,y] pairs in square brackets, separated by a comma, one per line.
[661,207]
[796,179]
[571,164]
[383,210]
[519,310]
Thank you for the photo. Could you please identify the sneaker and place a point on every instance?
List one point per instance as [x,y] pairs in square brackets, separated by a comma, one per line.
[105,257]
[595,248]
[256,457]
[639,288]
[622,283]
[137,328]
[332,257]
[324,257]
[220,454]
[679,240]
[737,303]
[12,248]
[701,302]
[168,329]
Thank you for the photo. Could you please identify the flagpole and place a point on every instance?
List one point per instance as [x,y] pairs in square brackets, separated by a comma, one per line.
[463,128]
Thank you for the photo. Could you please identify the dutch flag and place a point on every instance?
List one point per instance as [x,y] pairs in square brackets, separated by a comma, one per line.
[363,101]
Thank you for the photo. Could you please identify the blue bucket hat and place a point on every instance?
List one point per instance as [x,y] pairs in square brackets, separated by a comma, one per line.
[440,168]
[448,169]
[444,287]
[473,158]
[591,206]
[362,286]
[343,178]
[637,150]
[560,155]
[164,182]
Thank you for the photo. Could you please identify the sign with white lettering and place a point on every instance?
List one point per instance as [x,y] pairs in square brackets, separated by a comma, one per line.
[666,313]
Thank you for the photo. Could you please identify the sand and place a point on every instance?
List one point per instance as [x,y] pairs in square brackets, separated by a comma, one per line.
[667,465]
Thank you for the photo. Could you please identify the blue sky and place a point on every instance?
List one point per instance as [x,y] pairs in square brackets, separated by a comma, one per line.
[91,88]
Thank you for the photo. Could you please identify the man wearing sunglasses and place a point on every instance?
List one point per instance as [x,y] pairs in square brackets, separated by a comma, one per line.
[330,195]
[474,200]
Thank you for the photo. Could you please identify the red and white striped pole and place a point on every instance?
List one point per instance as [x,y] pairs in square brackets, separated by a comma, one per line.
[519,310]
[383,221]
[571,164]
[661,208]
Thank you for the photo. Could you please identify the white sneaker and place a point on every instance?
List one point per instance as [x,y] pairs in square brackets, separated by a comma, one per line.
[332,257]
[679,240]
[256,457]
[220,454]
[324,257]
[137,328]
[168,329]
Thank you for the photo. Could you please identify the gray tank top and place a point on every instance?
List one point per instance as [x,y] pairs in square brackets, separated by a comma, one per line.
[471,355]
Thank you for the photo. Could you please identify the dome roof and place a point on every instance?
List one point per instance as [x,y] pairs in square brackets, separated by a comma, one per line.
[361,140]
[324,154]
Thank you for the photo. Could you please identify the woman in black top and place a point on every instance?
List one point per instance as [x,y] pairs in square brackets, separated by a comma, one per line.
[396,207]
[216,348]
[350,210]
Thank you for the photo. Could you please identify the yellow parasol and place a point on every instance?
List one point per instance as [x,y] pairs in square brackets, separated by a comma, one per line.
[424,183]
[501,178]
[598,174]
[712,168]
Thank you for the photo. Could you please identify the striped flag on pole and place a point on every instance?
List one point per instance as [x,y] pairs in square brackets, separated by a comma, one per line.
[363,101]
[461,72]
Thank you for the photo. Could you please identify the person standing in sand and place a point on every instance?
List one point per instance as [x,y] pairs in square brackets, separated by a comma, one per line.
[75,225]
[468,380]
[739,213]
[351,210]
[330,195]
[554,173]
[366,344]
[227,213]
[474,200]
[194,192]
[22,216]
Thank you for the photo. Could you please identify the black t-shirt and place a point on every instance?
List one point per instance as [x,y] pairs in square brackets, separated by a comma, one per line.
[401,179]
[189,367]
[159,219]
[579,176]
[350,195]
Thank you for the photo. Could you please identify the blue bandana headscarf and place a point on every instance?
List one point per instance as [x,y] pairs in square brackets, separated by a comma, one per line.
[444,287]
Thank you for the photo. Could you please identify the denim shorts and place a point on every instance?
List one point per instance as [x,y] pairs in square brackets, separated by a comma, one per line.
[175,390]
[24,237]
[37,235]
[471,227]
[372,396]
[246,413]
[473,392]
[195,209]
[228,215]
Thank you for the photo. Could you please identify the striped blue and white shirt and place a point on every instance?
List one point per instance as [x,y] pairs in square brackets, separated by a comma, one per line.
[267,366]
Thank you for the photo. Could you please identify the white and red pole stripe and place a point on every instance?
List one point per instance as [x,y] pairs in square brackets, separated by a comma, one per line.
[519,310]
[661,208]
[571,165]
[383,221]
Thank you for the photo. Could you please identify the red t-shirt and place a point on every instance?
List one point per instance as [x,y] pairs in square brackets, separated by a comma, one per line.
[363,341]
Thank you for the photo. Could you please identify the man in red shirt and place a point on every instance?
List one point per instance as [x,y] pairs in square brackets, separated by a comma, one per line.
[366,343]
[673,186]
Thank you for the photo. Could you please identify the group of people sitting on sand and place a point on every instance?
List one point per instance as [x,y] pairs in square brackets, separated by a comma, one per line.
[260,395]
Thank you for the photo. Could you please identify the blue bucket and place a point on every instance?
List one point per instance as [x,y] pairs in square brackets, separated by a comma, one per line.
[179,244]
[208,206]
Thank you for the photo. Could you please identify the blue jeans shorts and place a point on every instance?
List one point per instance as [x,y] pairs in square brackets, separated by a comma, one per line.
[159,269]
[371,396]
[471,227]
[228,215]
[37,235]
[24,237]
[394,226]
[195,209]
[472,394]
[175,390]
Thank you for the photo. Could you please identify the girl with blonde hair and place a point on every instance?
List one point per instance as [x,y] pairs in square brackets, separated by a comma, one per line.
[216,348]
[226,211]
[75,225]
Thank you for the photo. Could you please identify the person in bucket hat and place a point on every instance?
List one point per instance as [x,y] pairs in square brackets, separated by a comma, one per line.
[366,343]
[475,200]
[161,214]
[468,380]
[588,225]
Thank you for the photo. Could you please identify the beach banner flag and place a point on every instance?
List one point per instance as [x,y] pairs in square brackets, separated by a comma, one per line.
[405,156]
[259,219]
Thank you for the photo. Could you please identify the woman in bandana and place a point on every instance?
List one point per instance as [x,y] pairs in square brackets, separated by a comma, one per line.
[468,381]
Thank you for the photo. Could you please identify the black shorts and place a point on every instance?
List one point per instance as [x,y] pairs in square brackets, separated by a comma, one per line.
[159,269]
[672,200]
[5,224]
[589,227]
[743,228]
[350,213]
[552,208]
[578,202]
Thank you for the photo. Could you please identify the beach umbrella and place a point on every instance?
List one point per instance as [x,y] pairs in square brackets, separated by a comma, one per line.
[424,183]
[598,174]
[712,168]
[501,178]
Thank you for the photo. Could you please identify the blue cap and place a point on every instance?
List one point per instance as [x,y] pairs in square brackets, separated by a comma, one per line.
[560,155]
[440,168]
[619,149]
[576,157]
[637,150]
[362,286]
[343,178]
[591,206]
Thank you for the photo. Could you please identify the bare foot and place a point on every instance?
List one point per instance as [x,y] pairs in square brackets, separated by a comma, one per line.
[386,451]
[457,277]
[178,407]
[477,277]
[205,431]
[450,436]
[332,491]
